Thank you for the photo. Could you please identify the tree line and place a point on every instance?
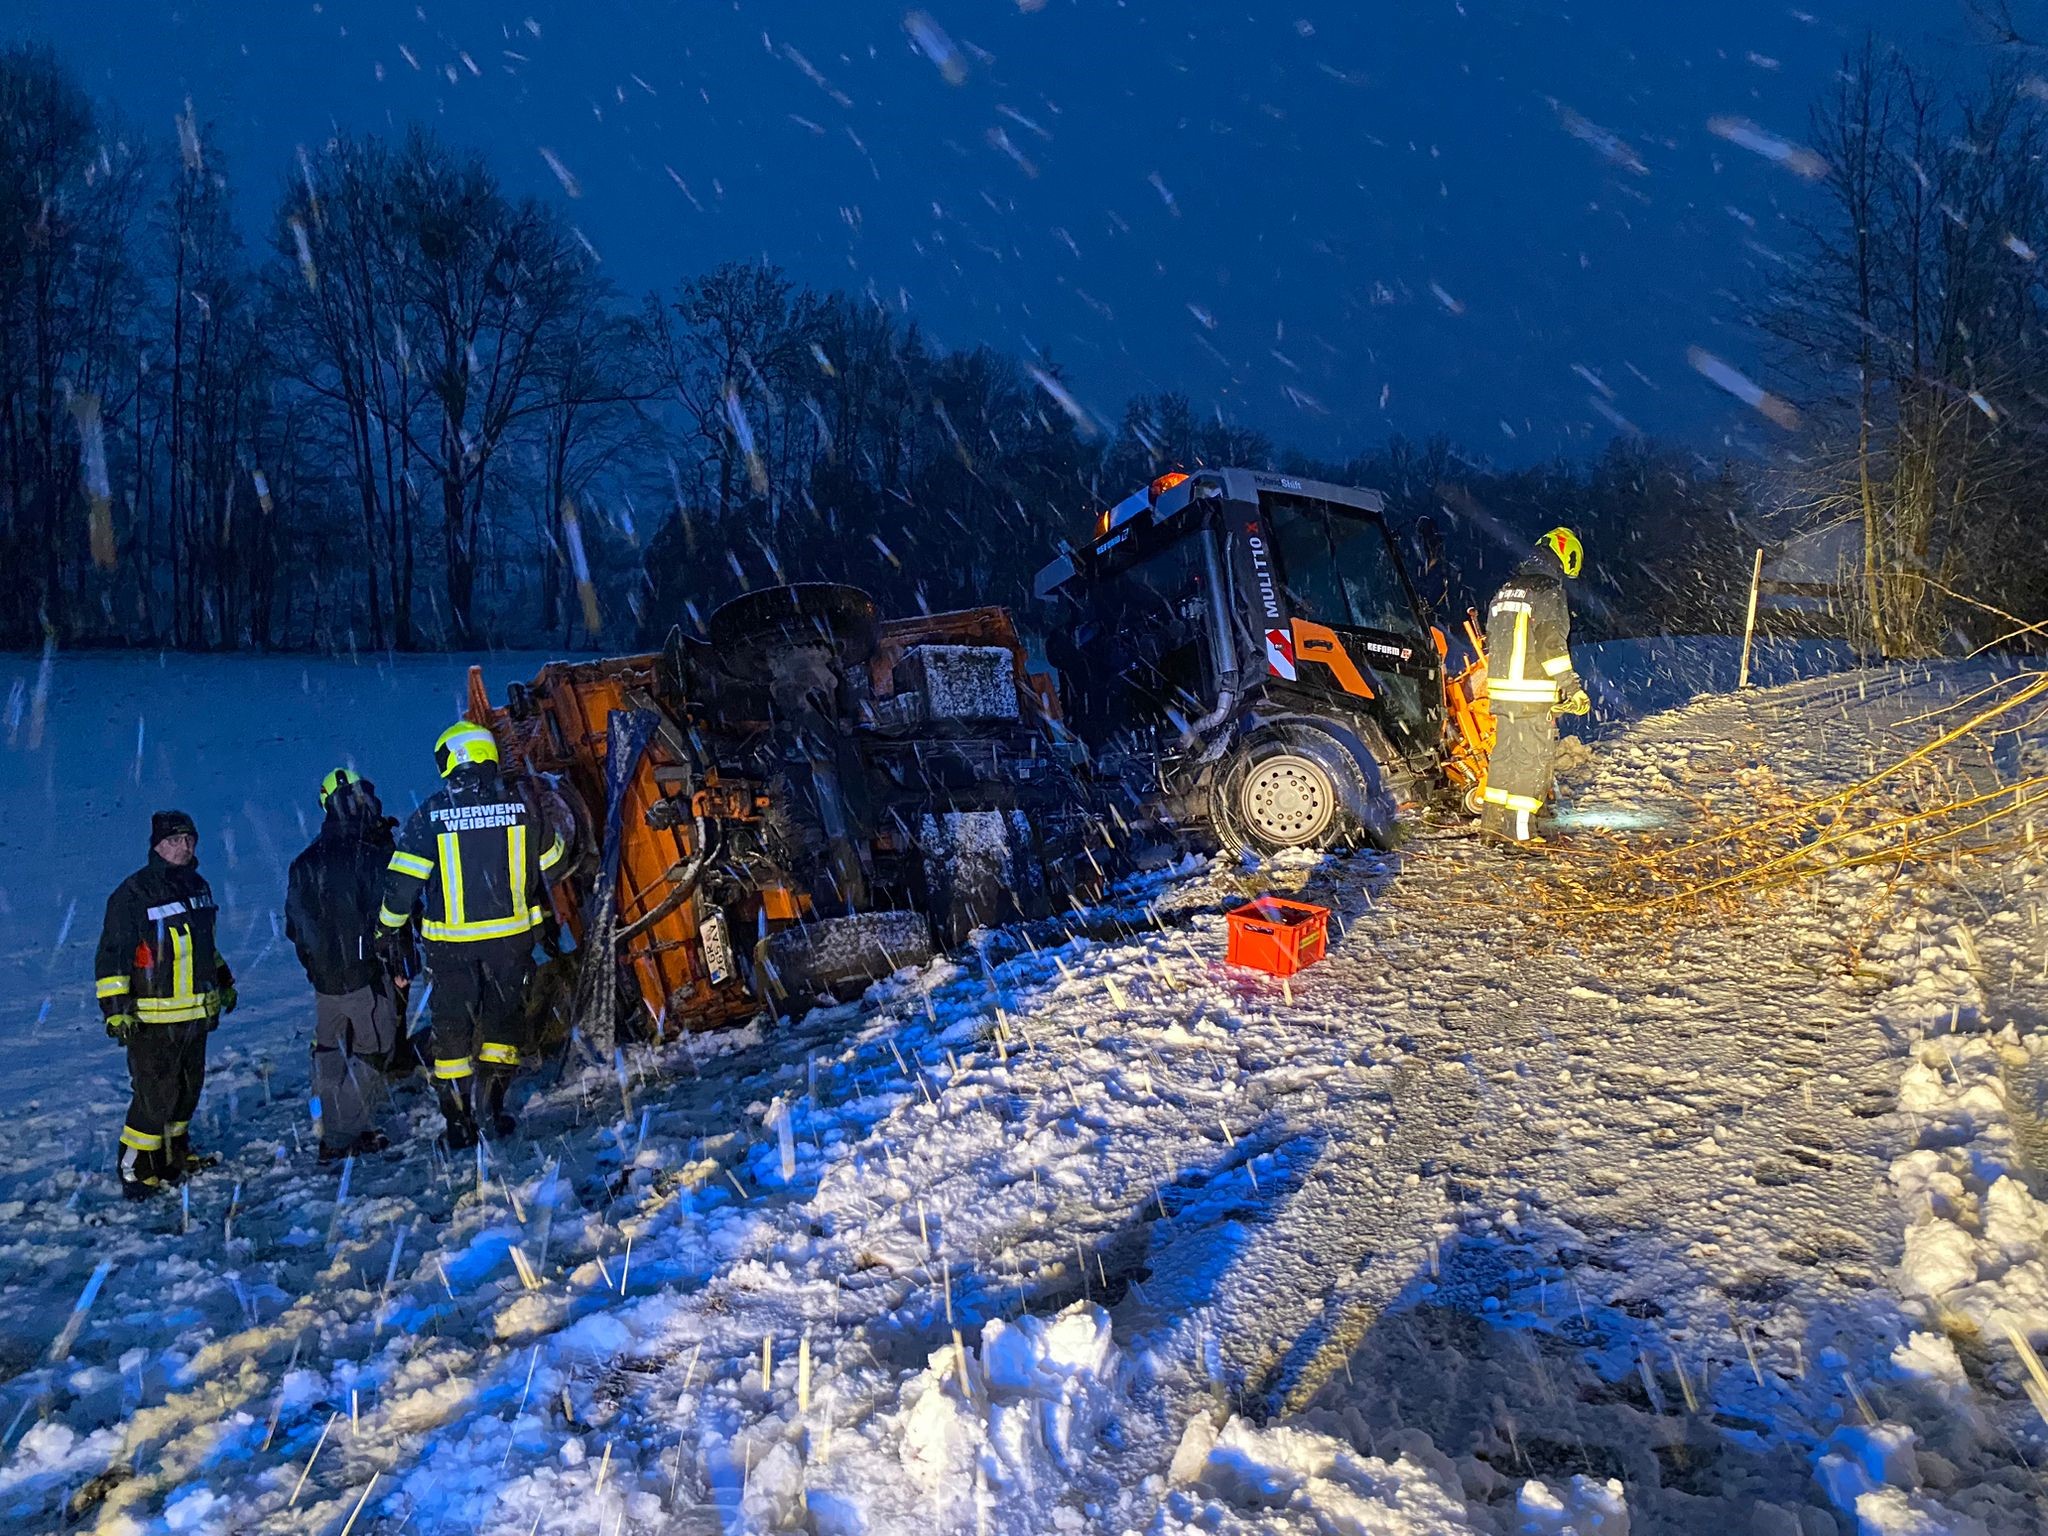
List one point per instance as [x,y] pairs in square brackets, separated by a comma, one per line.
[1913,331]
[417,415]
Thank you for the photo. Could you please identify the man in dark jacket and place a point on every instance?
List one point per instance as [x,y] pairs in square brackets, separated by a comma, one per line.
[1530,681]
[162,988]
[332,897]
[475,854]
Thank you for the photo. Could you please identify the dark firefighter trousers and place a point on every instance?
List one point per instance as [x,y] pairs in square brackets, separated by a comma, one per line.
[166,1069]
[479,1007]
[1518,778]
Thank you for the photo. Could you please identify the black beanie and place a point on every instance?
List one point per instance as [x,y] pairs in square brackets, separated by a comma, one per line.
[169,824]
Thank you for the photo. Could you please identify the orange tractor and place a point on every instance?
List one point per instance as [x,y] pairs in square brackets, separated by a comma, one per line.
[810,796]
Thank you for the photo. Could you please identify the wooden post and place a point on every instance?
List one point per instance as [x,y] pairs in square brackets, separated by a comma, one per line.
[1756,577]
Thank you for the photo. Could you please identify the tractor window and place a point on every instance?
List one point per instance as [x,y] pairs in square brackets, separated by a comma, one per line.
[1150,625]
[1340,568]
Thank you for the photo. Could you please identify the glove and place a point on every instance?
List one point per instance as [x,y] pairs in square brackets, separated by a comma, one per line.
[394,951]
[121,1027]
[1577,704]
[225,999]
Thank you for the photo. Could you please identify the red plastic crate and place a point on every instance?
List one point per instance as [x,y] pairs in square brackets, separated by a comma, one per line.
[1278,936]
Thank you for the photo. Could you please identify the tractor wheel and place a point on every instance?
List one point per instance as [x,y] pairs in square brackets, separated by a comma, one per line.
[1285,800]
[1299,790]
[1474,801]
[753,635]
[567,817]
[839,956]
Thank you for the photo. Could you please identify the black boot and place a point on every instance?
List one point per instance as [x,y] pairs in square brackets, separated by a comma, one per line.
[180,1159]
[460,1132]
[140,1172]
[490,1108]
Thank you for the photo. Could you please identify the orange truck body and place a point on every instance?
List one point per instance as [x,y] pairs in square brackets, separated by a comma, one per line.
[559,735]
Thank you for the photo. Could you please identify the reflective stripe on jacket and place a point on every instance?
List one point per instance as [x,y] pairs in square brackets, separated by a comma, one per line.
[476,855]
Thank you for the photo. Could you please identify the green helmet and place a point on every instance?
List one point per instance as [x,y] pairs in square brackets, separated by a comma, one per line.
[1564,544]
[336,778]
[462,743]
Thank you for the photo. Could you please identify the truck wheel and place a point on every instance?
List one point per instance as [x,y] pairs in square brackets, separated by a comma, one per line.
[1298,790]
[1285,800]
[839,956]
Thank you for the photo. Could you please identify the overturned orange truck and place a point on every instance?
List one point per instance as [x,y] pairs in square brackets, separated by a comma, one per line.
[810,795]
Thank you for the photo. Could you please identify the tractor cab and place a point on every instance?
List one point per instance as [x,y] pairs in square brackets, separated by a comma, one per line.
[1253,637]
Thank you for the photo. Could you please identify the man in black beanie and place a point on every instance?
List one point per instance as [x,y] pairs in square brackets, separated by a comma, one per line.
[163,988]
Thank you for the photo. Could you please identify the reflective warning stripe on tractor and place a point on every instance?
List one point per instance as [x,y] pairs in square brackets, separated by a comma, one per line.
[1280,654]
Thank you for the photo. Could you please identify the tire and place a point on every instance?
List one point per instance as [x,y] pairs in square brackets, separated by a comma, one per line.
[1285,800]
[840,956]
[566,815]
[1300,788]
[753,633]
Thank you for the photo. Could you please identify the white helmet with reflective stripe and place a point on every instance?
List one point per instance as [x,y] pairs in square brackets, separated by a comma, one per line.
[464,742]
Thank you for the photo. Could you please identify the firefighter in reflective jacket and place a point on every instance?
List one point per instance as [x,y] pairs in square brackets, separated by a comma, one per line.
[1530,681]
[162,988]
[477,854]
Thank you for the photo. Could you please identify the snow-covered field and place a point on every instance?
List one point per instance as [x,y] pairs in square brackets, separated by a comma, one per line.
[1478,1226]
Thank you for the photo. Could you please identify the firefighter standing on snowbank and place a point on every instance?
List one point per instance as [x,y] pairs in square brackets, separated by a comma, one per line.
[163,988]
[1530,682]
[477,854]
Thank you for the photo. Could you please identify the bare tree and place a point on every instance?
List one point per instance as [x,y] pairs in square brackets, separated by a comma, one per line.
[68,198]
[208,398]
[495,287]
[343,330]
[733,351]
[589,419]
[1914,330]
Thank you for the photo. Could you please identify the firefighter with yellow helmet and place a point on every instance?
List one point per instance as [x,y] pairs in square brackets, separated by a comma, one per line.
[476,855]
[1530,682]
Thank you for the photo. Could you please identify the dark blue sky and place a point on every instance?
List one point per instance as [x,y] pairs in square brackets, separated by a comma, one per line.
[1329,220]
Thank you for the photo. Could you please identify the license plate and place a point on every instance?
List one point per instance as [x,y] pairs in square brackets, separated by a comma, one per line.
[717,947]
